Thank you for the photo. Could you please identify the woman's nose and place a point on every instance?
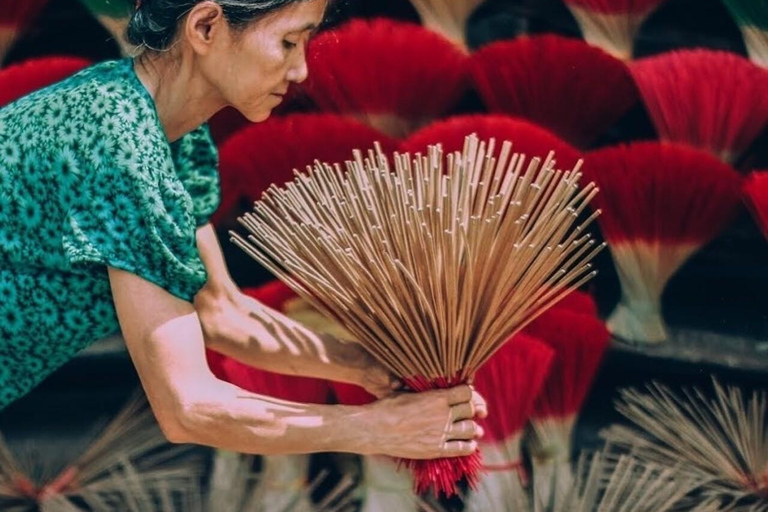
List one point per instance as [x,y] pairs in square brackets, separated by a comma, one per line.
[298,72]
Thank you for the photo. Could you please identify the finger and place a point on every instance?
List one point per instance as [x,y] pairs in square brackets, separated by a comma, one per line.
[459,394]
[461,412]
[481,406]
[466,430]
[459,448]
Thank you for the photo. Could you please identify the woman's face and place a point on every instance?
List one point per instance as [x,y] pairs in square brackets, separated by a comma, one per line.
[253,68]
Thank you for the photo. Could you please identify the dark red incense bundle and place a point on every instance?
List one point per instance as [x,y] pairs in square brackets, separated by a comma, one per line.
[527,138]
[15,17]
[612,24]
[708,99]
[579,342]
[756,197]
[660,203]
[394,76]
[562,84]
[267,153]
[29,76]
[579,302]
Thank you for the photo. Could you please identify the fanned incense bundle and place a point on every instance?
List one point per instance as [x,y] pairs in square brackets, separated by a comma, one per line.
[563,84]
[756,197]
[132,438]
[431,265]
[752,18]
[447,17]
[612,24]
[711,100]
[721,442]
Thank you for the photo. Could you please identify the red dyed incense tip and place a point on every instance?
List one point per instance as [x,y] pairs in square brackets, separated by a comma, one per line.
[667,193]
[361,69]
[578,302]
[510,381]
[350,394]
[265,154]
[756,197]
[562,84]
[526,137]
[711,100]
[442,475]
[579,342]
[34,74]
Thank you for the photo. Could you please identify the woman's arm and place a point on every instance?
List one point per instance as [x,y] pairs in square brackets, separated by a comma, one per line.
[165,341]
[240,327]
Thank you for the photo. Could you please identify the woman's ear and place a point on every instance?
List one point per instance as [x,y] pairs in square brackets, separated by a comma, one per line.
[204,23]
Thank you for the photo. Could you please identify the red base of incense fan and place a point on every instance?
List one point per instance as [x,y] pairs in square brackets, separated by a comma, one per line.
[442,475]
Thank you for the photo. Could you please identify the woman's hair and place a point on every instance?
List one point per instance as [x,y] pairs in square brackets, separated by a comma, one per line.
[155,22]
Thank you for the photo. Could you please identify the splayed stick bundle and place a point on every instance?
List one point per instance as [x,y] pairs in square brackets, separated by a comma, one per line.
[447,17]
[432,265]
[752,18]
[132,437]
[756,196]
[722,442]
[612,24]
[708,99]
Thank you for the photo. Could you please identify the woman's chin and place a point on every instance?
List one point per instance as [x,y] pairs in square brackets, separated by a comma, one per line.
[257,116]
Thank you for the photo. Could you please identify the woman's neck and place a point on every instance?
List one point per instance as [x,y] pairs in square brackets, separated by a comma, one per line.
[183,98]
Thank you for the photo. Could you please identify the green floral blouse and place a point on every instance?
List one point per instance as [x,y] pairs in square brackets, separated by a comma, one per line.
[88,180]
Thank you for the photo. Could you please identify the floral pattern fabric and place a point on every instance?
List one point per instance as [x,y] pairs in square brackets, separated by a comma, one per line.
[89,180]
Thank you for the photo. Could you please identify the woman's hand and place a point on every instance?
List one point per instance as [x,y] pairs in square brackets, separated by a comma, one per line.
[428,425]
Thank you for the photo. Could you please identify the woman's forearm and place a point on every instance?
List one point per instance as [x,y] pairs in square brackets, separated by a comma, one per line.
[244,329]
[236,420]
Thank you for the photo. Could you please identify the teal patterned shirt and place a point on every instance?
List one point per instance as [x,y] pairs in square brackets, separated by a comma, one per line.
[89,180]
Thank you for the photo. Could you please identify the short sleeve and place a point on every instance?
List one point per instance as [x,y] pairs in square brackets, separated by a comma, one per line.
[134,214]
[197,165]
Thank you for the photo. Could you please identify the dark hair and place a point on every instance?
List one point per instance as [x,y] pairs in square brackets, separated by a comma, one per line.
[155,23]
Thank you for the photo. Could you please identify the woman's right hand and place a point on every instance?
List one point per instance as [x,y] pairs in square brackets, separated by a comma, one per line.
[427,425]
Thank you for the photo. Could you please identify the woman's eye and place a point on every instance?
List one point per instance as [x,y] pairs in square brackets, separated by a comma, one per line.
[288,45]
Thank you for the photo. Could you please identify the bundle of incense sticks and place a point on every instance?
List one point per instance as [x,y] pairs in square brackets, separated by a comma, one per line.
[433,264]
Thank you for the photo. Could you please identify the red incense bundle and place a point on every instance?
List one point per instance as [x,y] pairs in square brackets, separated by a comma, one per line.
[579,342]
[361,70]
[756,197]
[29,76]
[266,154]
[660,203]
[708,99]
[612,24]
[510,381]
[562,84]
[527,138]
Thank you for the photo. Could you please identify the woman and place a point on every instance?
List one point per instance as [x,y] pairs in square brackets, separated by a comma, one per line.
[106,183]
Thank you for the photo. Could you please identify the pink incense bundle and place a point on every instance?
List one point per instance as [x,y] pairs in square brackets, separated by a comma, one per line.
[708,99]
[29,76]
[660,204]
[756,197]
[15,17]
[528,138]
[562,84]
[511,382]
[394,76]
[267,153]
[612,24]
[579,342]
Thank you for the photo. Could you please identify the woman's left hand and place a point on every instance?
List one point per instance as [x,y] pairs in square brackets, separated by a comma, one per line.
[376,379]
